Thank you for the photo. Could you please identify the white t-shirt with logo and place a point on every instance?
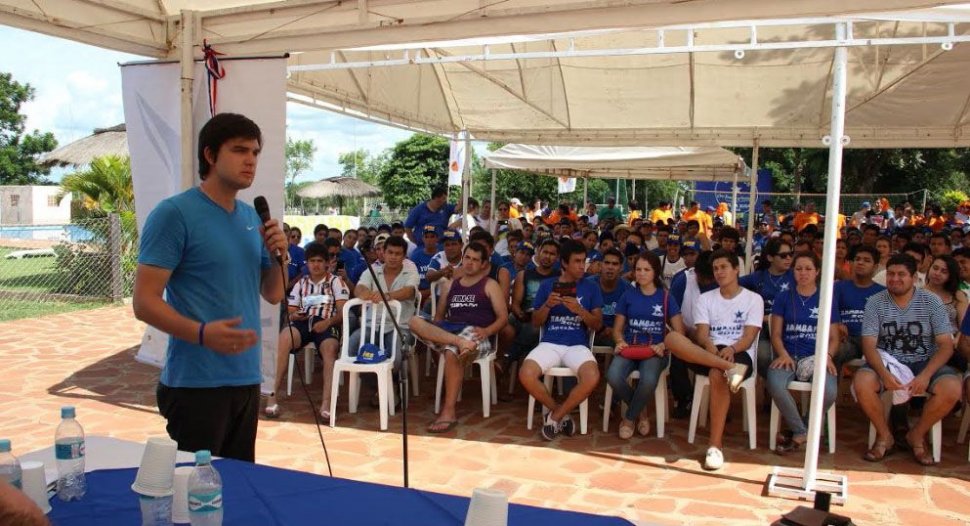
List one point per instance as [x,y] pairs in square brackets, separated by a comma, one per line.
[727,318]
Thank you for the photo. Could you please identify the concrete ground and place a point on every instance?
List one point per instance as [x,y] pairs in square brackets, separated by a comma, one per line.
[86,359]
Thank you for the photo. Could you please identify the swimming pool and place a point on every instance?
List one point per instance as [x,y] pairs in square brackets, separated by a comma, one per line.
[72,233]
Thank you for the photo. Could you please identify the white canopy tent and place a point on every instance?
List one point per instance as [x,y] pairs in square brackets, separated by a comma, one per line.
[673,163]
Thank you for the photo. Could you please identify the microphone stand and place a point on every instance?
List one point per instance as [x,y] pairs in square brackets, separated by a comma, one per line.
[403,381]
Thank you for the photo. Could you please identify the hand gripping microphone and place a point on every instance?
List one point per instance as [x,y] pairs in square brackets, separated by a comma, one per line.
[262,208]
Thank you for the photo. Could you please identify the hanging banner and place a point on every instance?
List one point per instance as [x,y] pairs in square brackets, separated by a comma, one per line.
[566,184]
[151,97]
[456,160]
[710,193]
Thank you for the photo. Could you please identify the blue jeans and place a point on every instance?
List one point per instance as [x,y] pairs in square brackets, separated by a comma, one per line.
[776,380]
[636,399]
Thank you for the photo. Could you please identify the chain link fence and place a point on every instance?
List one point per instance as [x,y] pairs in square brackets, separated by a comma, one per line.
[47,269]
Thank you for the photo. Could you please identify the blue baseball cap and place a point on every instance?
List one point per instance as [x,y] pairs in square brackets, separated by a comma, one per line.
[430,229]
[451,234]
[527,246]
[673,240]
[689,245]
[370,353]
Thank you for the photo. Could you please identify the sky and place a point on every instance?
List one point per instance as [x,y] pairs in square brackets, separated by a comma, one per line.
[78,88]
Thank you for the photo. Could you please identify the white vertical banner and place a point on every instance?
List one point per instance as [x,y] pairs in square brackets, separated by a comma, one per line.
[456,160]
[255,88]
[566,184]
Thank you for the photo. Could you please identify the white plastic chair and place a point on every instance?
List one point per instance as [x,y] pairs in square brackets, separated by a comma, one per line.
[659,398]
[308,352]
[936,432]
[964,424]
[698,411]
[486,368]
[372,330]
[802,387]
[435,285]
[559,372]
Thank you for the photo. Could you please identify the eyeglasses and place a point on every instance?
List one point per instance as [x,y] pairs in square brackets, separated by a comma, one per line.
[294,236]
[785,255]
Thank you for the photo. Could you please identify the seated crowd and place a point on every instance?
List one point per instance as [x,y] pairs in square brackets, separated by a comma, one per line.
[669,294]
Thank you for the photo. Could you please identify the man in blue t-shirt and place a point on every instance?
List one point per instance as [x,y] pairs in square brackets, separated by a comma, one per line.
[422,258]
[434,211]
[568,309]
[612,287]
[849,299]
[208,253]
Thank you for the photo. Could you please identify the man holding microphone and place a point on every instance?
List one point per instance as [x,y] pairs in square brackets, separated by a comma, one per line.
[212,257]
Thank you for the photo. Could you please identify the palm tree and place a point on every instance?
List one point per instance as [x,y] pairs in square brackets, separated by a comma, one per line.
[105,185]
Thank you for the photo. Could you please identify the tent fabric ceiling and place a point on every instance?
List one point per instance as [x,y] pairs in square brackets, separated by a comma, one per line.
[236,27]
[898,96]
[669,163]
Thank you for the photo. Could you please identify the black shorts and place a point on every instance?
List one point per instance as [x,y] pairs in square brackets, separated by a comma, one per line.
[220,419]
[739,357]
[306,335]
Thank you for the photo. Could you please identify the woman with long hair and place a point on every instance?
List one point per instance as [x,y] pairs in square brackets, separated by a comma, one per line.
[642,316]
[943,279]
[794,324]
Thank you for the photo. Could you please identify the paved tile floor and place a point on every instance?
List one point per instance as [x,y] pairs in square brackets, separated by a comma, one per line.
[86,359]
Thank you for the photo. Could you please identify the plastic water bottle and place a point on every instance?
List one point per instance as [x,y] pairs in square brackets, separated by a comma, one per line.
[9,465]
[69,450]
[205,492]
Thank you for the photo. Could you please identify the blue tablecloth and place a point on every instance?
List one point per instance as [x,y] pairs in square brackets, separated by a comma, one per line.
[268,496]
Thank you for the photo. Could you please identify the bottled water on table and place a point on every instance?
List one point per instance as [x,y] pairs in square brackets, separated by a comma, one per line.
[205,492]
[69,450]
[9,465]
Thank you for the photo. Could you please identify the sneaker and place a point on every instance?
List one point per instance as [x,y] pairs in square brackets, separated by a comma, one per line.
[735,376]
[550,429]
[714,459]
[567,426]
[681,411]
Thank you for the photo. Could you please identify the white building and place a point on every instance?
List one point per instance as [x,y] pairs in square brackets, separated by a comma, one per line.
[34,205]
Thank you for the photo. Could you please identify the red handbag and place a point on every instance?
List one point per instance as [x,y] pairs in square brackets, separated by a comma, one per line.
[646,351]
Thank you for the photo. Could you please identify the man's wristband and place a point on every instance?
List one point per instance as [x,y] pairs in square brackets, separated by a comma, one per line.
[201,333]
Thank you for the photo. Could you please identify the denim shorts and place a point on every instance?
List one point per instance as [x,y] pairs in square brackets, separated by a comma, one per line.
[940,373]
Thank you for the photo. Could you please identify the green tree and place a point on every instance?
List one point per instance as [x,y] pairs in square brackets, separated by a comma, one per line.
[105,185]
[299,159]
[362,165]
[19,151]
[415,166]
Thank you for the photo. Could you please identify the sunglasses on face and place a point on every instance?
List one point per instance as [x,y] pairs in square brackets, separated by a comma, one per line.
[784,255]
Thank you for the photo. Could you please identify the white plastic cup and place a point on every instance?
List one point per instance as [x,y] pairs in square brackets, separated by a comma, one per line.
[34,484]
[154,478]
[488,507]
[180,502]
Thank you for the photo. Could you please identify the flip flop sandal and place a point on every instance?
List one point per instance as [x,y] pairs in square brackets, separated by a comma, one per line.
[789,446]
[921,454]
[435,427]
[879,451]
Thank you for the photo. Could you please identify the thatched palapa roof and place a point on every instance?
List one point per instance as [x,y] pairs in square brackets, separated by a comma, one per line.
[104,141]
[339,187]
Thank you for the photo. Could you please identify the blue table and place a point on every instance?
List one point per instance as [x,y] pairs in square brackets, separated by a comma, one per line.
[268,496]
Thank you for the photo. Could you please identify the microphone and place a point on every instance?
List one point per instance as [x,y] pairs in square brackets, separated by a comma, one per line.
[262,208]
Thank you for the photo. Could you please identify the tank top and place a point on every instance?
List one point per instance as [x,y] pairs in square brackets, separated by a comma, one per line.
[470,305]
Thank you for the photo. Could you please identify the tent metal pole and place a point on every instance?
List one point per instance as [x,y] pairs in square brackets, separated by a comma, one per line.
[734,200]
[752,200]
[634,192]
[187,79]
[466,187]
[586,192]
[493,207]
[836,142]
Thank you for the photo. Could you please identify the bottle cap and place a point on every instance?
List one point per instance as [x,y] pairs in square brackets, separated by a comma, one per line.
[4,445]
[67,411]
[203,456]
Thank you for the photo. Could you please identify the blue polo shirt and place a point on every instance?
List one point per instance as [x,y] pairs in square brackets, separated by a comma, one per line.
[216,259]
[422,260]
[421,215]
[562,326]
[646,316]
[800,316]
[610,299]
[350,258]
[767,285]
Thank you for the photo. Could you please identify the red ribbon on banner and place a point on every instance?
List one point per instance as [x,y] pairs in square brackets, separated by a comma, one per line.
[214,73]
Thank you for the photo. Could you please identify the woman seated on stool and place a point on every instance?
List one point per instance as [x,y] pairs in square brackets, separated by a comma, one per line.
[642,315]
[794,323]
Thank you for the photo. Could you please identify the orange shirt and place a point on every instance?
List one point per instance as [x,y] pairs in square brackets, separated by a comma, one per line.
[660,216]
[513,212]
[702,218]
[936,223]
[803,219]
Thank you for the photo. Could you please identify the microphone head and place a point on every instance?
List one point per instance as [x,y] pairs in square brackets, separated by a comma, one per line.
[262,208]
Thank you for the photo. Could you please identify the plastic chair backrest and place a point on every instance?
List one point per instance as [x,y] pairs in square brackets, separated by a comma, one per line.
[372,329]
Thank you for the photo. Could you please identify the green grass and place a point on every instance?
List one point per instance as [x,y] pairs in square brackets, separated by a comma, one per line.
[36,274]
[21,309]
